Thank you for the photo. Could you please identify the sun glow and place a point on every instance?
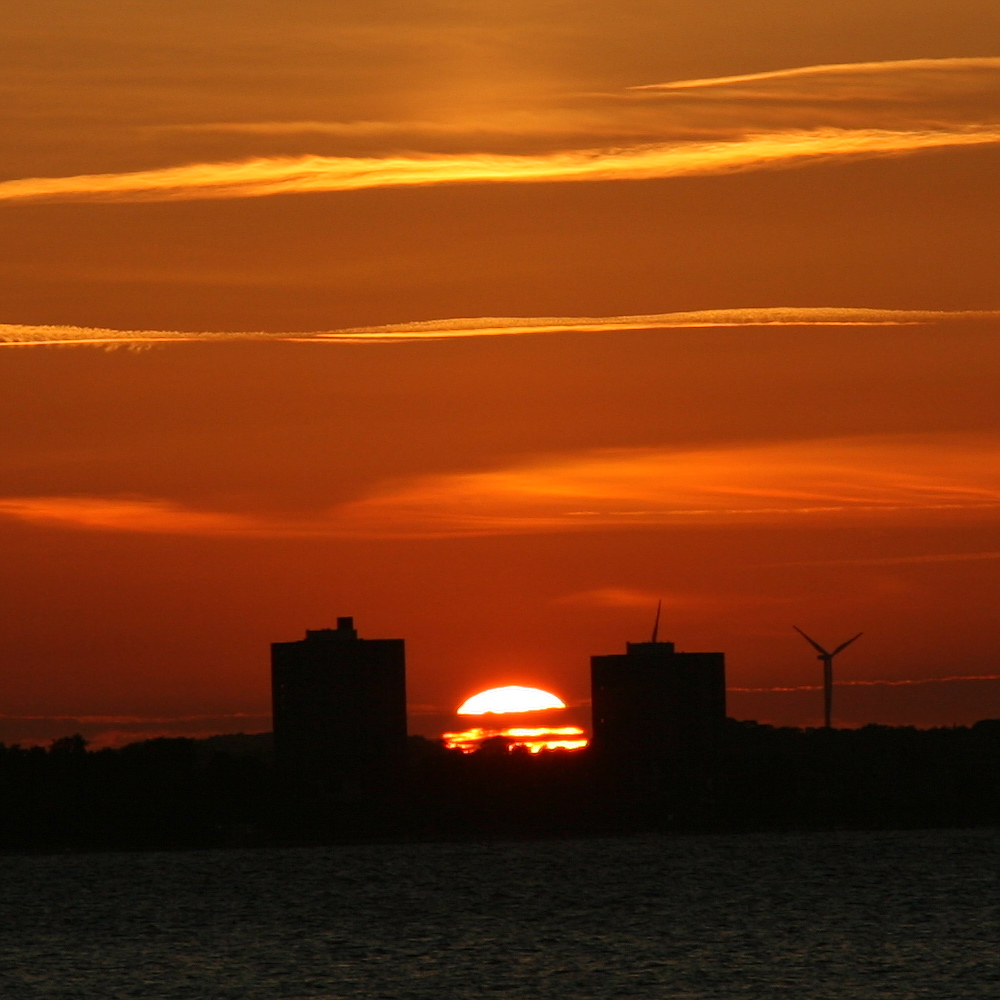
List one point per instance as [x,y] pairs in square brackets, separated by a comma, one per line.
[512,698]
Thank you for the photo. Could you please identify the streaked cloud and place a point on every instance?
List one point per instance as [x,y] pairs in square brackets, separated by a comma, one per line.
[944,557]
[911,95]
[914,682]
[888,480]
[796,482]
[350,129]
[487,128]
[543,133]
[131,515]
[488,326]
[15,334]
[265,176]
[627,597]
[914,79]
[12,335]
[613,597]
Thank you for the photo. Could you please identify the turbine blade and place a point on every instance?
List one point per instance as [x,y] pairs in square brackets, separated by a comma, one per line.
[812,642]
[844,645]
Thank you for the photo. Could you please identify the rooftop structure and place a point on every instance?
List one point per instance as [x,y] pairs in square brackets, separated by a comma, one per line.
[340,708]
[658,717]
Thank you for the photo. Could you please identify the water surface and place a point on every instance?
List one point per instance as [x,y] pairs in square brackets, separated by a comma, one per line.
[858,915]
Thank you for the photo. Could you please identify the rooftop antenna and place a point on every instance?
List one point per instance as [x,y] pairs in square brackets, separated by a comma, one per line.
[827,660]
[656,623]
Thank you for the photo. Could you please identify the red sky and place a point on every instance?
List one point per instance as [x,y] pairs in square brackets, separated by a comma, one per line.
[813,441]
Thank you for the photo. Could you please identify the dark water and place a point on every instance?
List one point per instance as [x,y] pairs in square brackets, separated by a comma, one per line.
[912,914]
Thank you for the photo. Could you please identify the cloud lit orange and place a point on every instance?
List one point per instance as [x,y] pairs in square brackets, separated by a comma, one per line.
[13,335]
[904,479]
[906,95]
[877,480]
[263,176]
[127,514]
[855,81]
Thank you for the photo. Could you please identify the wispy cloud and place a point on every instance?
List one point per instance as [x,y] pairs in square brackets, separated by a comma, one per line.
[13,335]
[902,95]
[628,597]
[784,117]
[614,597]
[351,129]
[909,95]
[913,79]
[873,480]
[128,514]
[797,482]
[944,557]
[874,683]
[491,326]
[265,176]
[16,334]
[477,129]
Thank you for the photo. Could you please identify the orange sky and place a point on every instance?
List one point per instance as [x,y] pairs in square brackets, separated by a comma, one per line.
[726,276]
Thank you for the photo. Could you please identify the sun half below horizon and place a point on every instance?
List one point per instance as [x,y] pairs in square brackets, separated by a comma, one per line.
[519,701]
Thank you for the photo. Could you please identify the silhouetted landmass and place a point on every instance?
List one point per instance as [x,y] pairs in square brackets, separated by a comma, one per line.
[223,791]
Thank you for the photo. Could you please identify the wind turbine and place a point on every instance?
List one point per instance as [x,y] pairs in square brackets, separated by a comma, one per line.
[826,659]
[656,624]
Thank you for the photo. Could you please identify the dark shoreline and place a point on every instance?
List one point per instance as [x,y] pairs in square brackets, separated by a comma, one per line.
[223,792]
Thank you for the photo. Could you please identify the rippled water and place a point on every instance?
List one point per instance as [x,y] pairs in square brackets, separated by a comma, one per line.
[911,914]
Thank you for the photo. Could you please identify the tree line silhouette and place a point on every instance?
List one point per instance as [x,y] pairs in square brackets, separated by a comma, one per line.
[224,791]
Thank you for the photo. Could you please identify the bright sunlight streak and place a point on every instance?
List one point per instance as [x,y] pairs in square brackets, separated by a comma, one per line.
[534,740]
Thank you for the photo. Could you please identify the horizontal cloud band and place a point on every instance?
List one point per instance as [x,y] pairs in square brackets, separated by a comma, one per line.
[498,326]
[875,480]
[963,678]
[264,176]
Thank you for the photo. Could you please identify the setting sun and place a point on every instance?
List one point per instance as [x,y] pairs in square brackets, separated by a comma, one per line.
[513,698]
[532,733]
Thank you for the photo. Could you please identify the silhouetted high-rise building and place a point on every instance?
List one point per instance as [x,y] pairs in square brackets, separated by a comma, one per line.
[340,708]
[658,718]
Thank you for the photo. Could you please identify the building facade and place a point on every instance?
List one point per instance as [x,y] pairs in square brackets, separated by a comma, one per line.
[658,719]
[339,707]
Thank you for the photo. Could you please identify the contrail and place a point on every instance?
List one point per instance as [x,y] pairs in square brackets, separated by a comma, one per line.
[264,176]
[885,67]
[774,316]
[13,335]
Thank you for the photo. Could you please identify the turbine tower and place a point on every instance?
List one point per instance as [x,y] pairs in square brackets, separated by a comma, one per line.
[826,659]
